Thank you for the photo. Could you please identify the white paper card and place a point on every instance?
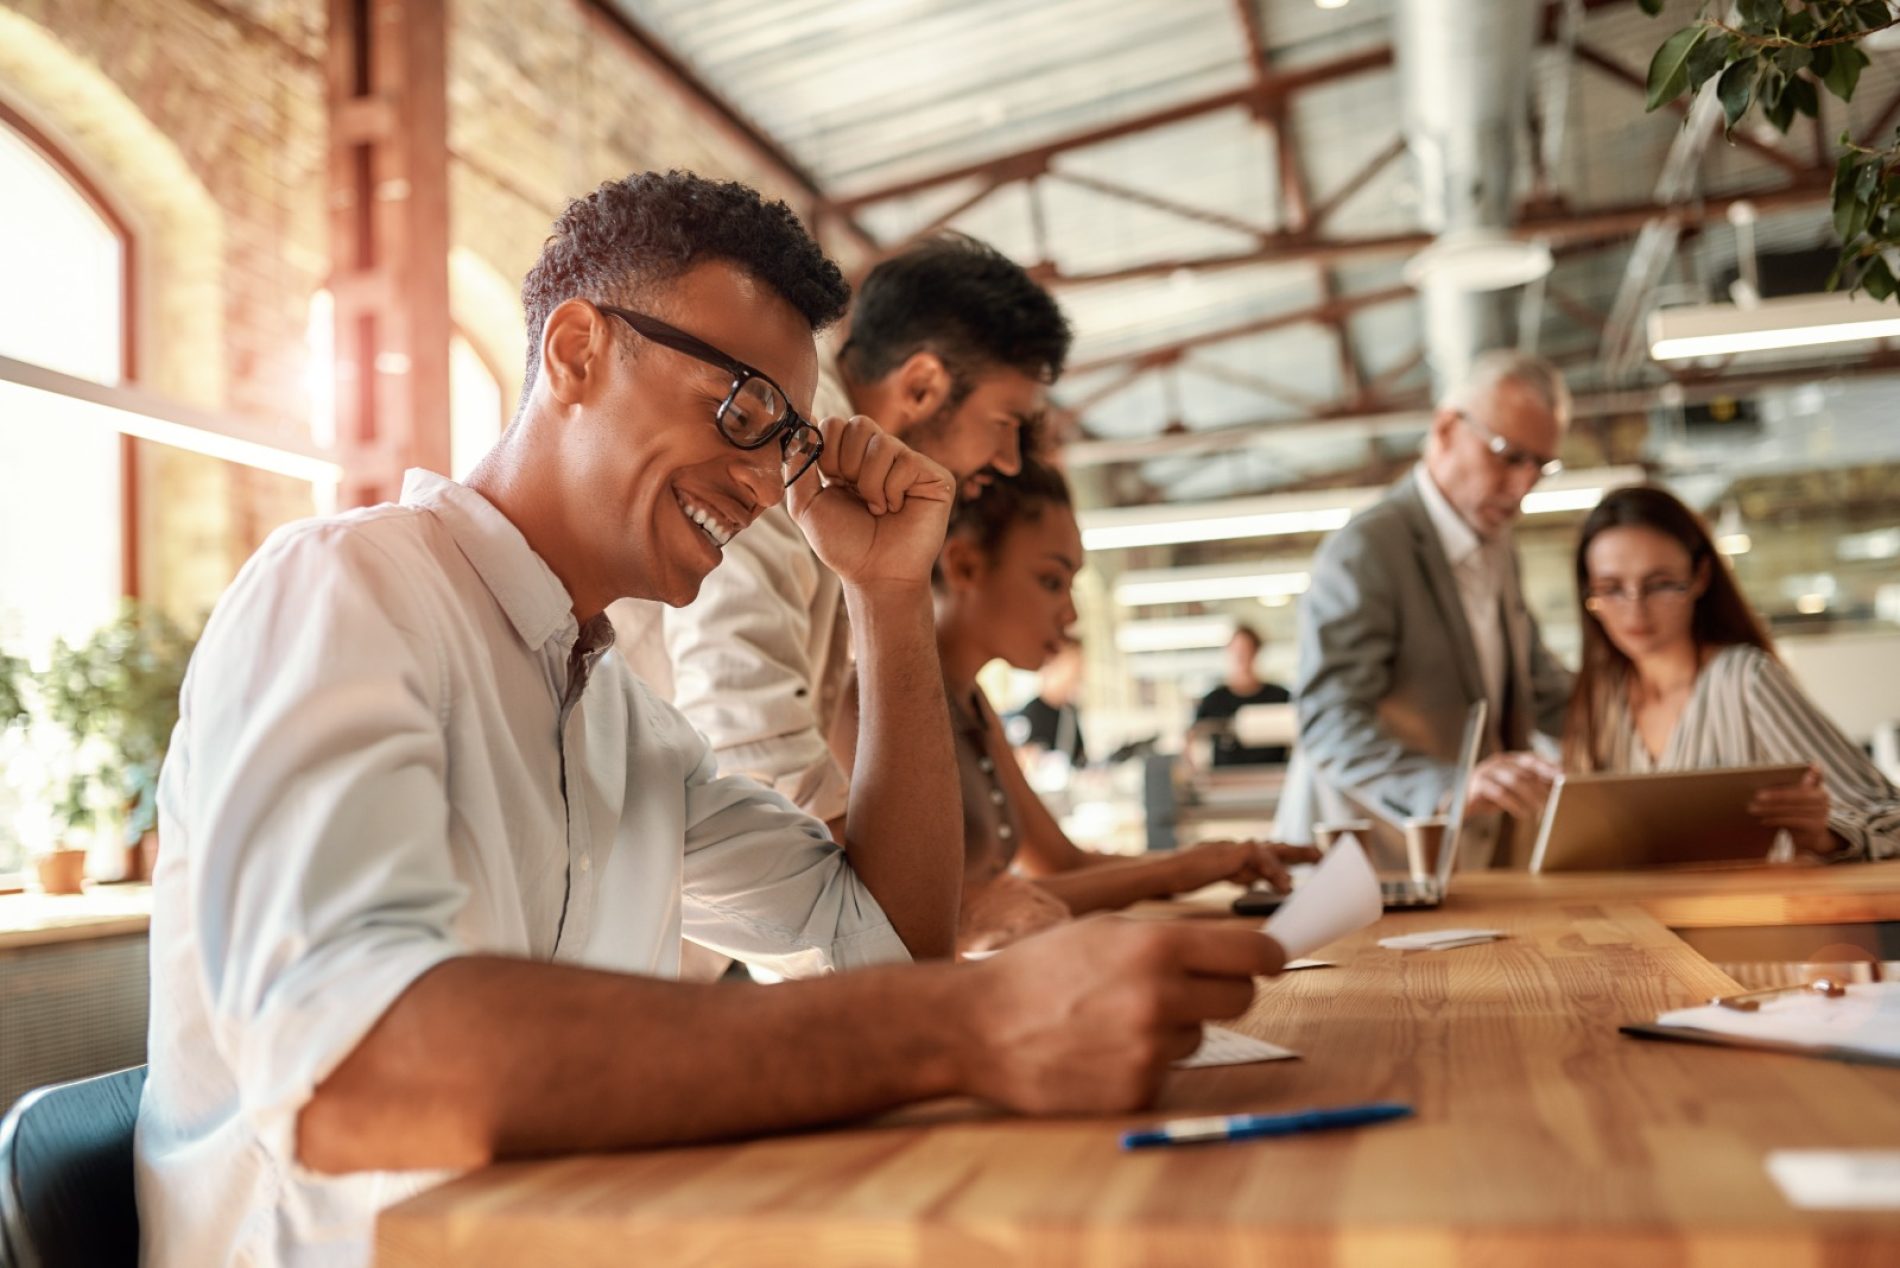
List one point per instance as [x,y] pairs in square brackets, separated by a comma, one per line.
[1340,897]
[1440,939]
[1291,965]
[1221,1046]
[1838,1179]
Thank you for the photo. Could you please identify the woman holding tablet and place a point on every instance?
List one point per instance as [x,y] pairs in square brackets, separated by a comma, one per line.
[1003,592]
[1679,674]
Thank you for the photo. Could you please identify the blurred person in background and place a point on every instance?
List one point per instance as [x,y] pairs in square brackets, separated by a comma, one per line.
[1679,674]
[1241,687]
[1415,612]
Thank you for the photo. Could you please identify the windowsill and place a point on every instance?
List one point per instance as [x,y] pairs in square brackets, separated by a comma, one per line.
[103,911]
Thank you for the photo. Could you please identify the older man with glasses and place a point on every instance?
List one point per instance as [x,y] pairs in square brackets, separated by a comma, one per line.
[1415,611]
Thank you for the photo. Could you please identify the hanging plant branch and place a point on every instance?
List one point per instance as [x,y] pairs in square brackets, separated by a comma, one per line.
[1779,58]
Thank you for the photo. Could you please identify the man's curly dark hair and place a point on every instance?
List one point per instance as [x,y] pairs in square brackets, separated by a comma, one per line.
[965,301]
[652,227]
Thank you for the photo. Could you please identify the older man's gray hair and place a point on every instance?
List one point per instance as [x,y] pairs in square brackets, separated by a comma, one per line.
[1497,366]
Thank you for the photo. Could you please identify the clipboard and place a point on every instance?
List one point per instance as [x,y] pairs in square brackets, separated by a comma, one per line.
[1689,1034]
[1858,1024]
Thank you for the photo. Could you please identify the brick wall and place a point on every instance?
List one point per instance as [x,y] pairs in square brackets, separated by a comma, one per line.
[205,121]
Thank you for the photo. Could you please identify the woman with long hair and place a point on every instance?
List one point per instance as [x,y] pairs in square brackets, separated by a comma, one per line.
[1003,592]
[1679,673]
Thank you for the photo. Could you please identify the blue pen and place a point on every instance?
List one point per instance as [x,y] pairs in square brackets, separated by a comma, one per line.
[1199,1131]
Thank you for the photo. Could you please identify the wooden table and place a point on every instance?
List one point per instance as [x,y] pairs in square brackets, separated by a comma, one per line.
[1541,1136]
[1850,893]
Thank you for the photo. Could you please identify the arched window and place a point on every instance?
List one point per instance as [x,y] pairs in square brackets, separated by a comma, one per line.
[476,410]
[64,303]
[64,271]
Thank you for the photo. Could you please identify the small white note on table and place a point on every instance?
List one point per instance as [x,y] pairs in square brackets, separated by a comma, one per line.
[1291,965]
[1340,897]
[1838,1179]
[1221,1046]
[1441,939]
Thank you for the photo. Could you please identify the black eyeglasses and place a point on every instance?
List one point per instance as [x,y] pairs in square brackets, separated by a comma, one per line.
[755,409]
[1509,454]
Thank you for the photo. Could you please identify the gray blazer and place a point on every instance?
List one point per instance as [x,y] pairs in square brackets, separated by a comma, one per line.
[1387,668]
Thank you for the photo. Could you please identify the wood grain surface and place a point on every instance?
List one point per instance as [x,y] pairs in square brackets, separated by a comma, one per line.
[1541,1137]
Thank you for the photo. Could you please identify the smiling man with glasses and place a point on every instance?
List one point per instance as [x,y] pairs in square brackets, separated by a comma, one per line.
[952,349]
[1415,611]
[430,853]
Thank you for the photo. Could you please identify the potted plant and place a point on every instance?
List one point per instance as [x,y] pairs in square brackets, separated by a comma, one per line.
[49,766]
[118,692]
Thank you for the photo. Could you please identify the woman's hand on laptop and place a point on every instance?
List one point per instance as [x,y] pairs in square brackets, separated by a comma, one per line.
[1517,784]
[1243,862]
[1801,810]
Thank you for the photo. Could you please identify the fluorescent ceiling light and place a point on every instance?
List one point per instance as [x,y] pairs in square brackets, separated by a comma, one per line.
[1795,321]
[1205,585]
[1214,528]
[1548,501]
[59,400]
[1126,527]
[1174,636]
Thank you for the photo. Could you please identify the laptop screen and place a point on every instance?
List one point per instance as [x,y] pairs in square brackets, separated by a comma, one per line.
[1468,746]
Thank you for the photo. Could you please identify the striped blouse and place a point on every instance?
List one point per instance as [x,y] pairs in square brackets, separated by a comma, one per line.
[1745,710]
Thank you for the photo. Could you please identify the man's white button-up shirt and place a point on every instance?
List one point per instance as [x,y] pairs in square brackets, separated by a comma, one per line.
[397,745]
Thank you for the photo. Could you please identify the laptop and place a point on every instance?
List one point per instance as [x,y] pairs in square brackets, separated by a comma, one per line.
[1413,893]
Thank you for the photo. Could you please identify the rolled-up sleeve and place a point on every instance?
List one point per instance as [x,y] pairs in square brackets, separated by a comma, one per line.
[311,815]
[766,884]
[743,672]
[1789,727]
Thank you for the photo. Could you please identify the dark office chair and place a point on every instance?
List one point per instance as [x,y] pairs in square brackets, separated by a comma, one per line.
[66,1196]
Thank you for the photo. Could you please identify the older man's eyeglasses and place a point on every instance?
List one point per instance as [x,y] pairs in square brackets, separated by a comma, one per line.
[755,411]
[1663,590]
[1512,456]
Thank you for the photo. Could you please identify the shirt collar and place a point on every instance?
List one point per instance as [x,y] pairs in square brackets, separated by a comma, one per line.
[521,581]
[1459,539]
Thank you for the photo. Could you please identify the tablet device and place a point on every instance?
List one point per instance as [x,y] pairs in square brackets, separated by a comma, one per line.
[1607,823]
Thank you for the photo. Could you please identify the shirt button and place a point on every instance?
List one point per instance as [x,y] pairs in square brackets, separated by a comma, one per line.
[985,765]
[996,795]
[1005,831]
[587,864]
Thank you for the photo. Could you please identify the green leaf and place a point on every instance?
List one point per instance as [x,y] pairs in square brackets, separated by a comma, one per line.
[1736,88]
[1705,62]
[1806,99]
[1777,102]
[1872,13]
[1651,7]
[1850,209]
[1669,69]
[1843,74]
[1793,59]
[1762,16]
[1878,281]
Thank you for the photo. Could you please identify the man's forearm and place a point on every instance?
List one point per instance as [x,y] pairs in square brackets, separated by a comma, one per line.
[1105,884]
[485,1058]
[905,822]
